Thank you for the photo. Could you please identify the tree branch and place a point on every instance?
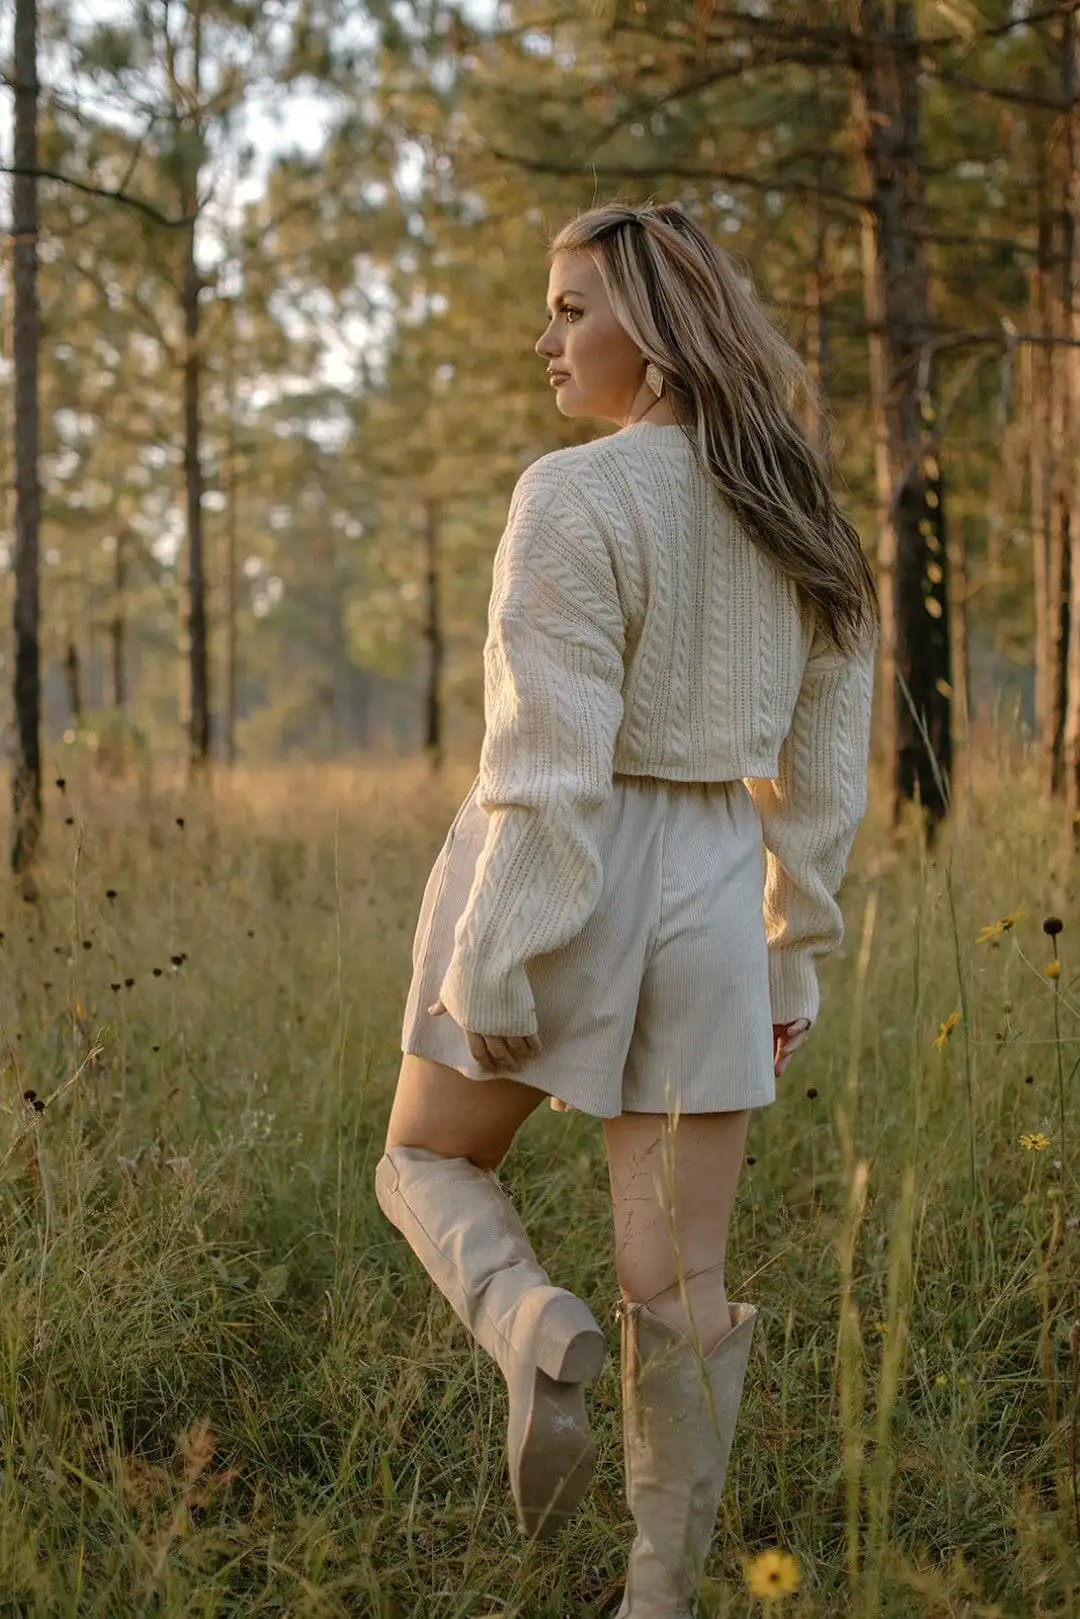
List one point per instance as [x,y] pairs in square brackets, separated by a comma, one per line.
[124,197]
[1023,98]
[739,24]
[680,171]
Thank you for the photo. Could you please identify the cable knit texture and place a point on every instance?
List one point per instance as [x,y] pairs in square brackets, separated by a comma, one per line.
[634,628]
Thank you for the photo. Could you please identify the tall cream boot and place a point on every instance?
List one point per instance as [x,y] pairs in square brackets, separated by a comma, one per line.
[676,1447]
[467,1235]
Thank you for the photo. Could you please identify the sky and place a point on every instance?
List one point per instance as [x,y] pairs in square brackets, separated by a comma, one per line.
[272,129]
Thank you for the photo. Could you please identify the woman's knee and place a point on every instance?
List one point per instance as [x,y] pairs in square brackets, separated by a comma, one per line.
[441,1110]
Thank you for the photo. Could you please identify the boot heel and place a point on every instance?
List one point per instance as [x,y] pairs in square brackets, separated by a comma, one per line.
[568,1346]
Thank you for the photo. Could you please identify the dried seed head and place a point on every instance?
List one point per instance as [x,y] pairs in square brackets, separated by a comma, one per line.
[110,893]
[811,1093]
[1053,926]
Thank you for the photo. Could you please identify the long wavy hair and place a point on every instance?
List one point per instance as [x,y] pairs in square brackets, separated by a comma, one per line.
[734,384]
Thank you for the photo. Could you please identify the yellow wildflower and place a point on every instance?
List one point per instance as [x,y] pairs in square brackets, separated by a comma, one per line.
[945,1029]
[1052,969]
[1035,1141]
[772,1575]
[993,930]
[941,1380]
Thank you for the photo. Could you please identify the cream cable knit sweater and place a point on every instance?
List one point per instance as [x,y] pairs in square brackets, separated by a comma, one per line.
[634,627]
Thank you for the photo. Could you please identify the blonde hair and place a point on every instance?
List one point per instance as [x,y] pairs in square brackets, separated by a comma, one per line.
[733,383]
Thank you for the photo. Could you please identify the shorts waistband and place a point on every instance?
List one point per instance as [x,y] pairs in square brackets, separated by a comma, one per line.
[670,781]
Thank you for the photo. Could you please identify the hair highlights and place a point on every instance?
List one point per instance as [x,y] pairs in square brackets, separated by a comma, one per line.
[733,382]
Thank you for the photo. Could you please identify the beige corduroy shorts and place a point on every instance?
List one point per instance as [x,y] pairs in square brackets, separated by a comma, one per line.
[662,999]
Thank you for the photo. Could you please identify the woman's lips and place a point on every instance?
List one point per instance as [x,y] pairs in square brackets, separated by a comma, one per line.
[559,376]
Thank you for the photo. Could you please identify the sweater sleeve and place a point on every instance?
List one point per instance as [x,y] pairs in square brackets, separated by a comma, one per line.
[809,817]
[553,675]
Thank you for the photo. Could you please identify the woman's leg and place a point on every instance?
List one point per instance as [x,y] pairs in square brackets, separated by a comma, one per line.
[443,1110]
[684,1348]
[672,1190]
[435,1183]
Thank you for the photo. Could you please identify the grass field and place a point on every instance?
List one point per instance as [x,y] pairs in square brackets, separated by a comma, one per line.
[226,1385]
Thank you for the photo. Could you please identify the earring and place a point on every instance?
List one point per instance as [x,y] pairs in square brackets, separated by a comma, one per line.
[654,379]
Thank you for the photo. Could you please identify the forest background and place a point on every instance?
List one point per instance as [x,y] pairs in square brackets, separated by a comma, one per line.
[274,279]
[286,366]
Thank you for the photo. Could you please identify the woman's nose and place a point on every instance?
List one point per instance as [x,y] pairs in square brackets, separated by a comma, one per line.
[544,345]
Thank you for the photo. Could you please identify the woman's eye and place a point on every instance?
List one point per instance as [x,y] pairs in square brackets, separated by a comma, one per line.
[568,310]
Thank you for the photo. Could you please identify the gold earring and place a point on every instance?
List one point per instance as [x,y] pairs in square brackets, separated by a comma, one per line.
[654,379]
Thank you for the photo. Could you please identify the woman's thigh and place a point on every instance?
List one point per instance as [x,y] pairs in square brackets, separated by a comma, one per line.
[438,1108]
[673,1185]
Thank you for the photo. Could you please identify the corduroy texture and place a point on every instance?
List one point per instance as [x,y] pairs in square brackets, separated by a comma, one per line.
[633,627]
[662,998]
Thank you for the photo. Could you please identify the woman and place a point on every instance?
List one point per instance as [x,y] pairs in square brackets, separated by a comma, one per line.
[678,669]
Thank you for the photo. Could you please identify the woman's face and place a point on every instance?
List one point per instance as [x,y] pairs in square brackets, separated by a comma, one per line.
[598,370]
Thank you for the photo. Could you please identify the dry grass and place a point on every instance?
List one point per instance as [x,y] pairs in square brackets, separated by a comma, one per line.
[228,1388]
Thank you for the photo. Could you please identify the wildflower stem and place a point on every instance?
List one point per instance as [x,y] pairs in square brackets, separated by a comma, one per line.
[884,1461]
[1060,1060]
[969,1078]
[850,1357]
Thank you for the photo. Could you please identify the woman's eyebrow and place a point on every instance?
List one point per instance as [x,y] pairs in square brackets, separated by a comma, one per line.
[571,292]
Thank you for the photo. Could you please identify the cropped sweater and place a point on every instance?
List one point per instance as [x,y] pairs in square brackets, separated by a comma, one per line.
[634,627]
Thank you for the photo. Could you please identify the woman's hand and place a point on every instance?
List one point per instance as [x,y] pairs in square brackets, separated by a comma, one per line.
[497,1053]
[787,1037]
[504,1054]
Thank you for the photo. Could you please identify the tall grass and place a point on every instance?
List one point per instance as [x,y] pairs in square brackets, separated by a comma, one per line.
[226,1386]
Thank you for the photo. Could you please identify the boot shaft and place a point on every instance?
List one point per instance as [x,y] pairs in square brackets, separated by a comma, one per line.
[679,1415]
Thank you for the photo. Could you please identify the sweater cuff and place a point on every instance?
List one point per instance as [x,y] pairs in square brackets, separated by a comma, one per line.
[793,985]
[486,1004]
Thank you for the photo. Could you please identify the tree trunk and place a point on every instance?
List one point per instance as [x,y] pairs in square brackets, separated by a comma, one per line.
[73,677]
[817,336]
[1070,366]
[198,678]
[1057,563]
[1040,368]
[959,661]
[336,688]
[26,771]
[885,535]
[433,737]
[230,544]
[915,599]
[118,624]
